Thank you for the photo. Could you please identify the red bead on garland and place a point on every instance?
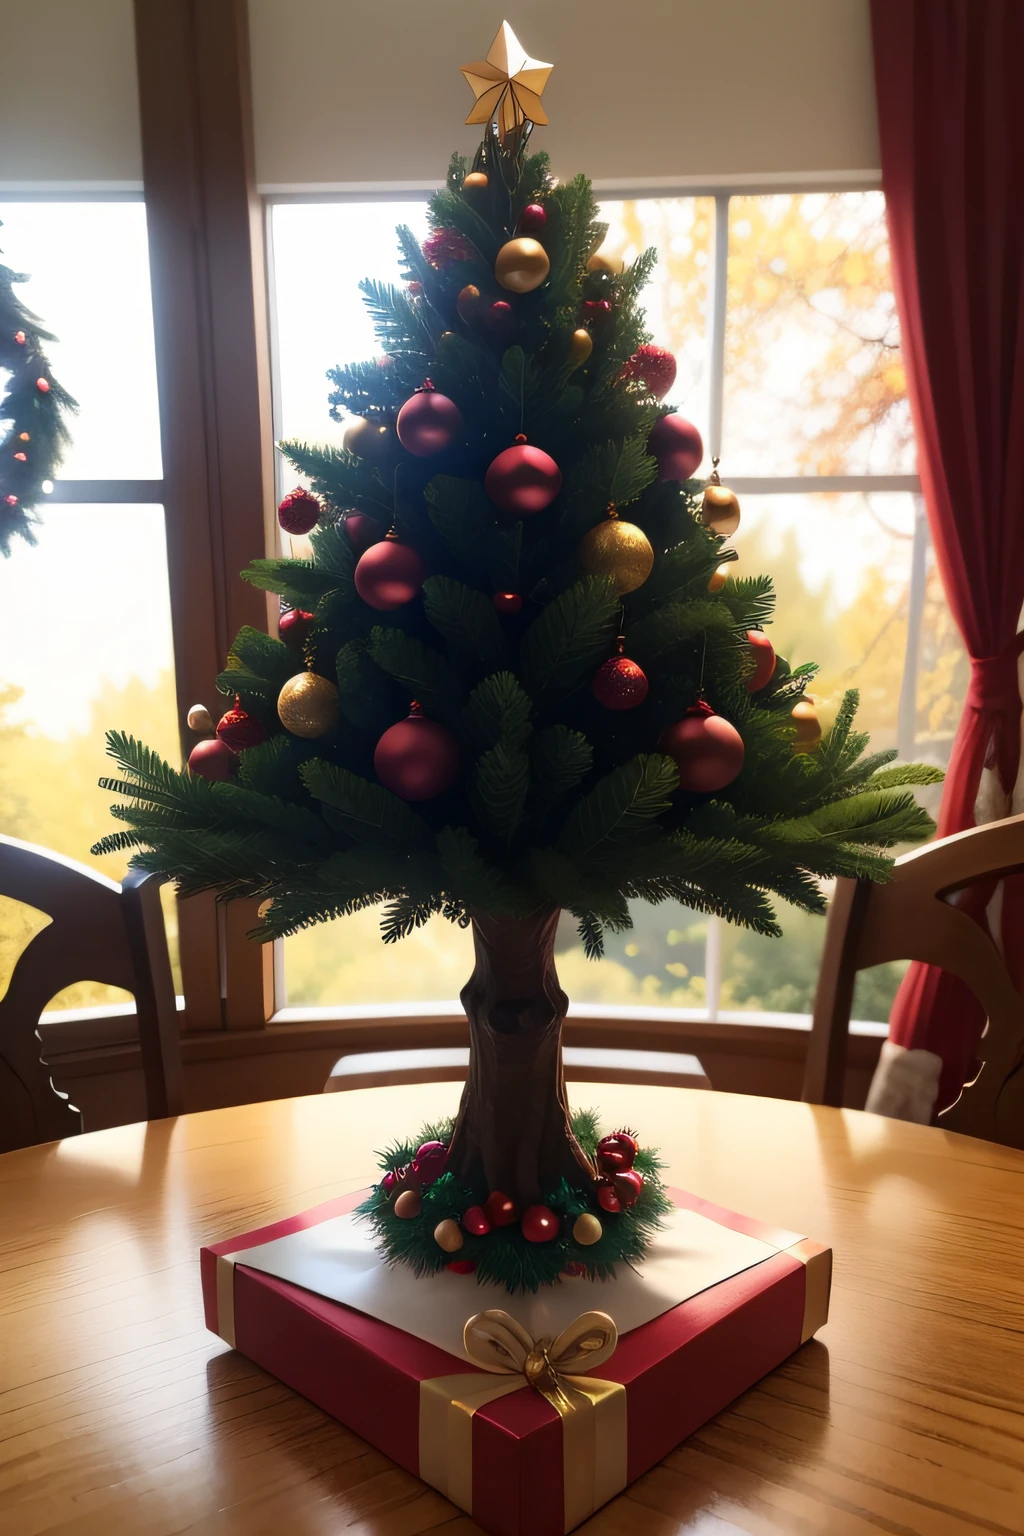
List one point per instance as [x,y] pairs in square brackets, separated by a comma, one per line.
[476,1221]
[653,366]
[500,1210]
[299,512]
[507,603]
[417,759]
[239,730]
[708,750]
[539,1224]
[389,574]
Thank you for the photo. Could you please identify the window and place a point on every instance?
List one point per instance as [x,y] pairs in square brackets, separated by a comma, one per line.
[779,309]
[98,572]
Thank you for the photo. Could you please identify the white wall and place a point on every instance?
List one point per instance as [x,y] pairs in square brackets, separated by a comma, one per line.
[369,90]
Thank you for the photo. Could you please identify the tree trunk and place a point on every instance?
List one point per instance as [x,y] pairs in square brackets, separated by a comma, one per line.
[512,1133]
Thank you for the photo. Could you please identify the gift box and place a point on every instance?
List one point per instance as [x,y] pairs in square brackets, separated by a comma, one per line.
[542,1408]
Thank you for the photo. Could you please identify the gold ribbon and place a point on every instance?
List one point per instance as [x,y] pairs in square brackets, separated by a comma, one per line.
[593,1412]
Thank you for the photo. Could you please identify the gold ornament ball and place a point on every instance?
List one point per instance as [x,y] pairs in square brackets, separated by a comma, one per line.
[448,1235]
[580,346]
[367,439]
[808,727]
[601,261]
[409,1204]
[587,1230]
[476,181]
[199,720]
[620,550]
[718,578]
[522,265]
[308,705]
[720,510]
[264,908]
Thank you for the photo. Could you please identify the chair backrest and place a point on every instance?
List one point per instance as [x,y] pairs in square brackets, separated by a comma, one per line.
[99,931]
[913,918]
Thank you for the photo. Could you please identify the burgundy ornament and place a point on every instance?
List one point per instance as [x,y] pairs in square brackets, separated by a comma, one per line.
[476,1221]
[391,1181]
[532,220]
[22,458]
[293,627]
[499,321]
[239,730]
[417,759]
[389,574]
[507,603]
[708,750]
[443,247]
[628,1187]
[415,288]
[653,366]
[43,386]
[596,311]
[363,531]
[501,1211]
[212,759]
[607,1199]
[539,1224]
[615,1153]
[428,423]
[523,480]
[764,660]
[299,512]
[677,446]
[619,684]
[428,1164]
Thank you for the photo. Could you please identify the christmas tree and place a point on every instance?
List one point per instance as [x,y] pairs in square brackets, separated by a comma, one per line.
[513,680]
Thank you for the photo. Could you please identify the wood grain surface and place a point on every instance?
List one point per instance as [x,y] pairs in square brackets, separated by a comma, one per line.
[120,1415]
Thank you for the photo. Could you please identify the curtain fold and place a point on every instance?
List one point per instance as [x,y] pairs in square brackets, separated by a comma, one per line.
[950,86]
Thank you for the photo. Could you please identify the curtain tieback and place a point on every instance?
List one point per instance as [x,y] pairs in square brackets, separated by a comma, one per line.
[995,694]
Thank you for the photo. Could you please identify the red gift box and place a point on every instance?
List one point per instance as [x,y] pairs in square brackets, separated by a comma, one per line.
[492,1444]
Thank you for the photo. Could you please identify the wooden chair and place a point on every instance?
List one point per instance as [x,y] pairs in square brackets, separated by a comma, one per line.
[914,918]
[99,931]
[582,1064]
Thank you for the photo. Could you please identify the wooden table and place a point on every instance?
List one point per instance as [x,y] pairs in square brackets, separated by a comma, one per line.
[120,1415]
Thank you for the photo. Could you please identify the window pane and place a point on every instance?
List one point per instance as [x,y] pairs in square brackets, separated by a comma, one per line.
[814,380]
[102,659]
[347,962]
[88,268]
[659,963]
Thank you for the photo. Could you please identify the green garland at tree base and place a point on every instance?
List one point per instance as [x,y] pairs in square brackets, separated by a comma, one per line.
[503,1256]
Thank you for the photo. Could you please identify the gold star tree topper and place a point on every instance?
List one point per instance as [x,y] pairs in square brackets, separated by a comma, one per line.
[507,84]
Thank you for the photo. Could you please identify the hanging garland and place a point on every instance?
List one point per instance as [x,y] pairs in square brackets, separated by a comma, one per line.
[33,414]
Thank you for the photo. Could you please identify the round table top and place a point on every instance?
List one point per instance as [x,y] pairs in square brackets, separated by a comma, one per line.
[120,1414]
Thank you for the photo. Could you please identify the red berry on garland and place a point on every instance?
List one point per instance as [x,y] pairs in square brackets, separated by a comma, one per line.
[617,1151]
[476,1221]
[707,748]
[539,1224]
[293,627]
[428,1164]
[239,730]
[507,603]
[607,1199]
[628,1187]
[574,1270]
[501,1211]
[499,321]
[523,480]
[653,366]
[677,446]
[22,458]
[389,574]
[212,759]
[362,531]
[596,311]
[299,512]
[444,246]
[391,1180]
[417,759]
[532,219]
[429,423]
[19,338]
[461,1266]
[764,660]
[619,684]
[43,386]
[12,501]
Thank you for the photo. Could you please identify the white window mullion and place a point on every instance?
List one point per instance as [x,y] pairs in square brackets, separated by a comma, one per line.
[906,718]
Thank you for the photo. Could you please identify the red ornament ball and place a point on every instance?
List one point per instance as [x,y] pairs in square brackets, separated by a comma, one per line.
[533,218]
[476,1221]
[607,1199]
[523,480]
[43,386]
[212,759]
[653,366]
[20,338]
[615,1153]
[764,660]
[391,1181]
[539,1224]
[12,501]
[293,627]
[389,574]
[444,246]
[428,1164]
[499,321]
[708,750]
[596,311]
[461,1266]
[619,684]
[299,512]
[628,1186]
[508,603]
[501,1211]
[417,759]
[677,446]
[429,423]
[363,531]
[239,730]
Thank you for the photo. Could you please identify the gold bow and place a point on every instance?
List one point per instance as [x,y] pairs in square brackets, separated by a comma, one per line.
[593,1412]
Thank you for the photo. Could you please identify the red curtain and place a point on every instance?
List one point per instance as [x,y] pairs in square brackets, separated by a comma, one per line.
[950,82]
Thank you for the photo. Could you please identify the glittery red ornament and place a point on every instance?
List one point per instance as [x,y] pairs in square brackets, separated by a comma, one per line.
[708,750]
[764,660]
[619,684]
[294,626]
[532,220]
[20,338]
[388,575]
[363,531]
[677,446]
[607,1199]
[428,423]
[523,480]
[461,1266]
[417,759]
[615,1153]
[299,512]
[595,311]
[239,730]
[428,1163]
[653,366]
[212,759]
[507,603]
[444,246]
[476,1221]
[539,1224]
[628,1187]
[501,1211]
[43,386]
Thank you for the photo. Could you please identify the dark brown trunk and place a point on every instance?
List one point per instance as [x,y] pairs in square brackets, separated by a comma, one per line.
[512,1133]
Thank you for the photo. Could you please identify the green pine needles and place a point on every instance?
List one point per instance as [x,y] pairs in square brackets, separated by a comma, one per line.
[560,802]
